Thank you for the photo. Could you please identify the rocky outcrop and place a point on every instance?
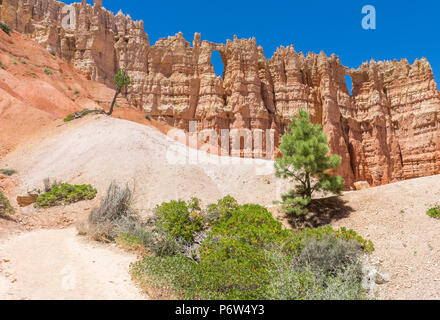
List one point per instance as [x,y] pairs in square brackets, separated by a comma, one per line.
[387,130]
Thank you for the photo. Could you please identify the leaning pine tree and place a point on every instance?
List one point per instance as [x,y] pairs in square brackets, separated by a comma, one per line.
[122,82]
[306,161]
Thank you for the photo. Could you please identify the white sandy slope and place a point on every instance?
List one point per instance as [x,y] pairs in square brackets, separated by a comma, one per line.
[98,149]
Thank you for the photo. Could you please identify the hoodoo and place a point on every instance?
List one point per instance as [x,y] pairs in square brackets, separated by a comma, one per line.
[387,130]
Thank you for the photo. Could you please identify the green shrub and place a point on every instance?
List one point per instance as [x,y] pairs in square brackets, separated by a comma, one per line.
[80,114]
[434,212]
[52,53]
[298,238]
[5,205]
[70,117]
[2,65]
[233,269]
[252,224]
[48,71]
[177,274]
[179,220]
[76,91]
[8,172]
[6,29]
[224,205]
[65,194]
[248,255]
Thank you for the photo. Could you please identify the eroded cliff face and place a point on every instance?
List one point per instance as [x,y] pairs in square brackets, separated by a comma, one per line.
[387,130]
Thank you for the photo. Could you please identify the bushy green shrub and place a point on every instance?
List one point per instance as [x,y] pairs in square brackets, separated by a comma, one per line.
[434,212]
[248,255]
[5,205]
[65,194]
[223,206]
[180,220]
[6,29]
[248,223]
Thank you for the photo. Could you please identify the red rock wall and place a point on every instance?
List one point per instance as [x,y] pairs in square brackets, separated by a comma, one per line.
[388,130]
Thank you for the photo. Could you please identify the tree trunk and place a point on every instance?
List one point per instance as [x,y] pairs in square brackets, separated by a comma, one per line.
[109,113]
[308,186]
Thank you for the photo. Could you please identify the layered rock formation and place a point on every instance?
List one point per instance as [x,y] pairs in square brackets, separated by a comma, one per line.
[387,130]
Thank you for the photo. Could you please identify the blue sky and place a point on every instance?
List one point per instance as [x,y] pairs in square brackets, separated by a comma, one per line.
[405,29]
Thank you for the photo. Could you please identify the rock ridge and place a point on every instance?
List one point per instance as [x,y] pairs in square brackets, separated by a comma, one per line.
[387,130]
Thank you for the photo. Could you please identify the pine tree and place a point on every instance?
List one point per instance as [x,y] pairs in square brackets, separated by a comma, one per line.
[122,82]
[306,161]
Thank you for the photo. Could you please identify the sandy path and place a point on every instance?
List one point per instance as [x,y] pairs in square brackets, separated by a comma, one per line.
[57,264]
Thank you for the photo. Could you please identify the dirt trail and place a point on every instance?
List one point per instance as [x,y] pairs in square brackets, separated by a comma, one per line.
[59,265]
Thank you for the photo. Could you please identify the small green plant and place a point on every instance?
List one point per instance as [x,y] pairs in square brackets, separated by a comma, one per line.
[5,205]
[76,91]
[70,117]
[65,194]
[434,212]
[180,220]
[52,53]
[81,114]
[2,65]
[6,29]
[23,61]
[131,243]
[48,71]
[8,172]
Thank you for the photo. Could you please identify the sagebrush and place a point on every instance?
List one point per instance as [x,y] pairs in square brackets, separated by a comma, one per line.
[114,216]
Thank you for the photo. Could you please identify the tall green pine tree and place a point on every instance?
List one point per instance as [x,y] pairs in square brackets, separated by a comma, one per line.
[306,161]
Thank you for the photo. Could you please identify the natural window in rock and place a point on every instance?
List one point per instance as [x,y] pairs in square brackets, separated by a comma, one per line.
[217,63]
[349,83]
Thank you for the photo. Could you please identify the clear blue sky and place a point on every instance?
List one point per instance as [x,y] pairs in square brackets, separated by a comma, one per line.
[405,29]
